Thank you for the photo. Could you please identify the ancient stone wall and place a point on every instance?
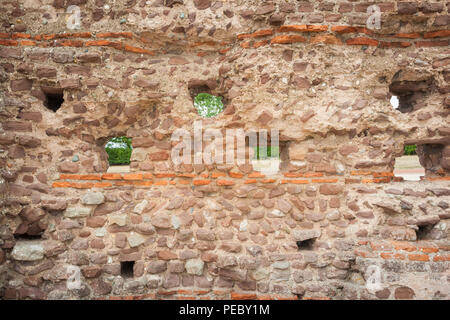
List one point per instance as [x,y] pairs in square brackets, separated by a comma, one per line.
[311,69]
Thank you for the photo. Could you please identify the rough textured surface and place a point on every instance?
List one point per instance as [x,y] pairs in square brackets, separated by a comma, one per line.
[308,68]
[30,251]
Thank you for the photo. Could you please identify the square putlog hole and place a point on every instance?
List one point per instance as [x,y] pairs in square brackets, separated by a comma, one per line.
[54,98]
[126,269]
[306,244]
[424,232]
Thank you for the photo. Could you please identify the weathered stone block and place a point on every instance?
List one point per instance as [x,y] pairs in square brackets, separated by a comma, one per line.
[302,235]
[77,212]
[194,266]
[135,240]
[92,198]
[28,251]
[118,219]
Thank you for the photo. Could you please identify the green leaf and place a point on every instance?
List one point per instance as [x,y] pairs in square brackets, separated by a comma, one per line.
[119,150]
[410,150]
[208,105]
[267,152]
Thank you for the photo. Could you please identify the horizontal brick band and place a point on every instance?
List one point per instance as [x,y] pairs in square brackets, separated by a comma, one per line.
[221,179]
[336,34]
[207,295]
[437,178]
[401,250]
[69,40]
[328,35]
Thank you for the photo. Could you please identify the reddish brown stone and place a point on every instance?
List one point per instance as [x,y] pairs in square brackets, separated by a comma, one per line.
[95,222]
[428,7]
[265,9]
[167,255]
[33,116]
[91,271]
[89,58]
[441,21]
[101,287]
[70,84]
[305,6]
[17,126]
[407,7]
[177,61]
[21,85]
[159,156]
[7,138]
[54,205]
[15,53]
[2,257]
[68,167]
[403,293]
[16,152]
[79,108]
[28,141]
[46,72]
[330,189]
[121,240]
[202,4]
[97,244]
[348,149]
[301,82]
[264,118]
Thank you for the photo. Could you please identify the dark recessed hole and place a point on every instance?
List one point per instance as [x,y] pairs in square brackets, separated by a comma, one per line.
[363,133]
[54,98]
[430,156]
[300,296]
[306,244]
[202,86]
[26,236]
[126,269]
[409,91]
[423,232]
[195,90]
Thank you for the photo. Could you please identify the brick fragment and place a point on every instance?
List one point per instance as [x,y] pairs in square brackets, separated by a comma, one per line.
[362,41]
[304,28]
[287,39]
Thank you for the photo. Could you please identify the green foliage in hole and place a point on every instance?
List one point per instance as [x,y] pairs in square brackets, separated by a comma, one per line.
[119,150]
[266,153]
[410,150]
[208,105]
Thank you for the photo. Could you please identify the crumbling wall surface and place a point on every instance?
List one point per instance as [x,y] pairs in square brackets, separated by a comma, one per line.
[334,223]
